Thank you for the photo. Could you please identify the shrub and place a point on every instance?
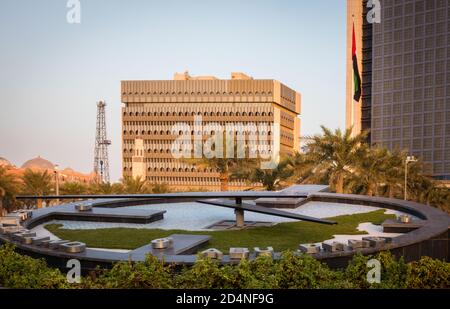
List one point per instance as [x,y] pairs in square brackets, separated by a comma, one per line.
[301,271]
[264,273]
[19,271]
[292,270]
[205,274]
[393,273]
[356,271]
[428,273]
[150,274]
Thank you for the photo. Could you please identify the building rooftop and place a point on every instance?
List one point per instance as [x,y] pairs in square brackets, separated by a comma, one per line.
[186,76]
[4,162]
[38,162]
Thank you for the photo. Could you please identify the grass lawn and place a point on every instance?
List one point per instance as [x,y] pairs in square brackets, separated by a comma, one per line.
[282,236]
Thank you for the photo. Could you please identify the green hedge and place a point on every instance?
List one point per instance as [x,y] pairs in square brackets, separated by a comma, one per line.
[291,271]
[19,271]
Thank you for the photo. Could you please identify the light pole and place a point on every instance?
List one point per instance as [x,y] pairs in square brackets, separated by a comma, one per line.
[408,160]
[56,182]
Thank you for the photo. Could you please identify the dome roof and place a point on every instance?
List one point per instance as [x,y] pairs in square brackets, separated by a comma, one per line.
[38,163]
[4,162]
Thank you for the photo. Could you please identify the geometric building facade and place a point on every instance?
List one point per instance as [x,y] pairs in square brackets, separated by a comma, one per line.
[152,109]
[405,66]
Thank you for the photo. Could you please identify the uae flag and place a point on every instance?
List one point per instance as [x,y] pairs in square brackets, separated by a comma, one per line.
[356,76]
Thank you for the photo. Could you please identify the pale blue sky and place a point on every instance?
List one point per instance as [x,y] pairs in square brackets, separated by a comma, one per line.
[52,72]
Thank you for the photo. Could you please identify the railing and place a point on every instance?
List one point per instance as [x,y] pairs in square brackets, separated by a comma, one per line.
[231,194]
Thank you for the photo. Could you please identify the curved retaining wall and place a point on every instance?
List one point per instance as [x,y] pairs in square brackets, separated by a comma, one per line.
[432,239]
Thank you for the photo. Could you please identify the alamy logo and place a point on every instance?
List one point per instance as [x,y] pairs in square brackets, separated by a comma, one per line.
[374,275]
[74,14]
[74,274]
[374,15]
[232,140]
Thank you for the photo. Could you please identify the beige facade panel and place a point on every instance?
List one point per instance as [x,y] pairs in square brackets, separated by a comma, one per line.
[191,91]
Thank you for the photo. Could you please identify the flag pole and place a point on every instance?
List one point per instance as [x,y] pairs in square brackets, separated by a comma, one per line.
[356,81]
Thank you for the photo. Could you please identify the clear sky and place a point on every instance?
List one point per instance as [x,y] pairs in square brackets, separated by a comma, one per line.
[52,72]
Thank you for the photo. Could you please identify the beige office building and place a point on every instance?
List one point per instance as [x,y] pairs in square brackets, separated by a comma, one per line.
[152,108]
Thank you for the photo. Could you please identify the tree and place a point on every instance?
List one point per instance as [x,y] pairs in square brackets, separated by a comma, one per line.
[419,186]
[226,167]
[437,196]
[160,188]
[135,185]
[9,188]
[37,183]
[371,165]
[334,154]
[394,173]
[269,178]
[105,188]
[303,170]
[73,188]
[440,198]
[426,190]
[348,164]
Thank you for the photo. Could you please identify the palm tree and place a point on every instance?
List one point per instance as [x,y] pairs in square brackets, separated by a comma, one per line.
[160,188]
[135,185]
[270,178]
[37,183]
[73,188]
[105,188]
[419,186]
[303,169]
[437,197]
[440,197]
[370,167]
[9,188]
[226,167]
[335,154]
[394,173]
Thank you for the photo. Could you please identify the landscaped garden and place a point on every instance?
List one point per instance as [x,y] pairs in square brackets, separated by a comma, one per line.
[282,236]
